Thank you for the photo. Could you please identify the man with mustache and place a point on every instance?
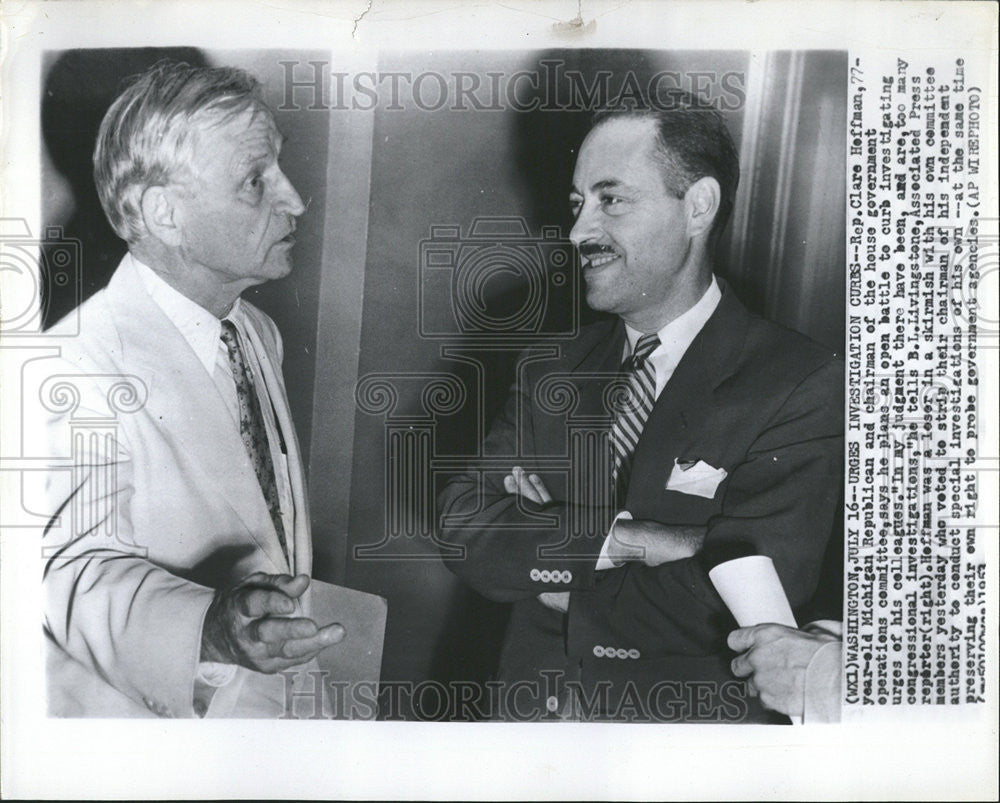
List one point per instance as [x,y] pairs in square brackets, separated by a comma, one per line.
[178,550]
[727,441]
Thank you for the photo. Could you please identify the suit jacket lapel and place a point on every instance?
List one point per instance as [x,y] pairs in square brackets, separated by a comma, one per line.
[269,363]
[685,400]
[598,364]
[185,403]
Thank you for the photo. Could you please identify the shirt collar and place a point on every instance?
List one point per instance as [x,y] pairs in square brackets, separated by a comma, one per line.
[199,327]
[677,335]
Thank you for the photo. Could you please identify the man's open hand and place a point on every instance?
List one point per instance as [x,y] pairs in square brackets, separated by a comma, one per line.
[249,625]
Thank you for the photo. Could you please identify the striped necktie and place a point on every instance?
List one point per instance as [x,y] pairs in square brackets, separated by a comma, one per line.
[633,411]
[252,429]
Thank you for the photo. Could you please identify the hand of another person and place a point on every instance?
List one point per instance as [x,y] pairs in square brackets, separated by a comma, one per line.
[775,659]
[653,543]
[249,625]
[528,486]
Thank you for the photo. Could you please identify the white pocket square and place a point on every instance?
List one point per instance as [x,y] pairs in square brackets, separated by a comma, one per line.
[697,479]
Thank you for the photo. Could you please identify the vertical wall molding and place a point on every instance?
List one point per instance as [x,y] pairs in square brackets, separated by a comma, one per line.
[338,334]
[749,162]
[786,254]
[787,147]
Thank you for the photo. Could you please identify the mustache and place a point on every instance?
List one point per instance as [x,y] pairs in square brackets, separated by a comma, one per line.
[588,250]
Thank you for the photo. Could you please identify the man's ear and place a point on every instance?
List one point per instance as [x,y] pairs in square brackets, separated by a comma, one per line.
[159,215]
[701,201]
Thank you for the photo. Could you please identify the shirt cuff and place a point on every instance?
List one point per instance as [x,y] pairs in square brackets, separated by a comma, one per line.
[604,560]
[826,627]
[823,684]
[215,674]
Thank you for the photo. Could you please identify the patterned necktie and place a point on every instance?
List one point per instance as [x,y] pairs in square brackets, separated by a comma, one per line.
[252,429]
[632,413]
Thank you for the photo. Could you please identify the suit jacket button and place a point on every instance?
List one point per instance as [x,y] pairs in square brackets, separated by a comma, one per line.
[621,653]
[534,574]
[546,576]
[599,651]
[567,576]
[633,653]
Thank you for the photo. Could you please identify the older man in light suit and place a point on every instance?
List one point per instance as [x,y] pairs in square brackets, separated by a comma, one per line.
[178,550]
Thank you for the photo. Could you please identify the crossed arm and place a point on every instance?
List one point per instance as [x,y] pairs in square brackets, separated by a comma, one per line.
[779,501]
[648,542]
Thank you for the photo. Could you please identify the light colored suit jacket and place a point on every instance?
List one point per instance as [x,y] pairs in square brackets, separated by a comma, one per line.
[154,504]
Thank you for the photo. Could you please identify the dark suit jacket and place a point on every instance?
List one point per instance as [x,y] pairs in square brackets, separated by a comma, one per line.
[749,396]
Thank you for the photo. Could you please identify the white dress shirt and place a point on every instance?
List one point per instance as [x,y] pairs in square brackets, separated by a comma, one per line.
[675,338]
[203,333]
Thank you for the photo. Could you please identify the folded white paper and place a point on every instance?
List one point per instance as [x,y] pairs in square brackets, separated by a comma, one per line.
[350,670]
[752,591]
[699,479]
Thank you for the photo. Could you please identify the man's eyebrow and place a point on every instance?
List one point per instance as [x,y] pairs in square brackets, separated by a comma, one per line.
[255,154]
[597,186]
[250,159]
[607,184]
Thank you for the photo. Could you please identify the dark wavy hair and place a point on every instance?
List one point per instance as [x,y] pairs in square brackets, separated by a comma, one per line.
[692,142]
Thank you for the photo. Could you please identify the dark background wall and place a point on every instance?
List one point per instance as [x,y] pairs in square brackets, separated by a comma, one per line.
[363,302]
